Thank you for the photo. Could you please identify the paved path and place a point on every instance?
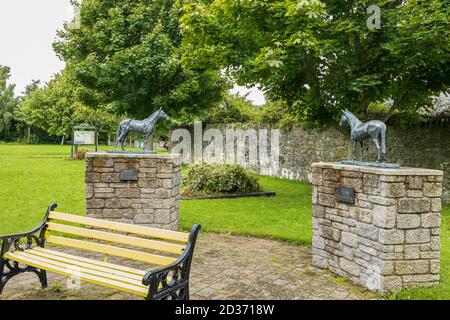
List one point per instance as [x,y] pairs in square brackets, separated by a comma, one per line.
[224,267]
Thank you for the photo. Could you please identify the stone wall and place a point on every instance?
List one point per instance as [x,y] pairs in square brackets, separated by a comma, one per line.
[300,147]
[388,239]
[421,147]
[151,200]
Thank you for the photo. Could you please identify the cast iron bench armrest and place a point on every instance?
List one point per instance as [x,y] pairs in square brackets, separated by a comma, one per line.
[9,269]
[172,281]
[9,239]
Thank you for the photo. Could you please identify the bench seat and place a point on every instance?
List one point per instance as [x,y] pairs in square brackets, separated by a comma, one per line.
[89,270]
[167,255]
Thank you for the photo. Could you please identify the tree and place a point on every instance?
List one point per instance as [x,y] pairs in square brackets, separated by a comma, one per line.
[105,122]
[233,109]
[30,88]
[126,56]
[50,108]
[320,56]
[8,103]
[55,109]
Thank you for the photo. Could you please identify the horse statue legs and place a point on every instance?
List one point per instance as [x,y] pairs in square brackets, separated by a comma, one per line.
[122,132]
[383,144]
[380,143]
[361,144]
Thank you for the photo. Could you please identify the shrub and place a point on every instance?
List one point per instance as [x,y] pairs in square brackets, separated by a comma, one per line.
[203,179]
[80,155]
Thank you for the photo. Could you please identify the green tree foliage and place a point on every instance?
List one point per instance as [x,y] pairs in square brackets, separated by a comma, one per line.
[51,107]
[105,122]
[55,109]
[30,88]
[127,57]
[8,103]
[320,56]
[236,109]
[277,114]
[233,109]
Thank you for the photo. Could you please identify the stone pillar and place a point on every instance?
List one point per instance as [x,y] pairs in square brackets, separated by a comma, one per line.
[134,188]
[388,239]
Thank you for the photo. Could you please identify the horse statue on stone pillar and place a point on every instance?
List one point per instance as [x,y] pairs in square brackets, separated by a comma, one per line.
[146,127]
[374,129]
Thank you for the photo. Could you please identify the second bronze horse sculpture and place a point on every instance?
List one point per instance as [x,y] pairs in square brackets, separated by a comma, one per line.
[145,127]
[360,131]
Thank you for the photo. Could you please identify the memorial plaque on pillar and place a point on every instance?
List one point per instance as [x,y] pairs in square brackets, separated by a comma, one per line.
[346,195]
[129,175]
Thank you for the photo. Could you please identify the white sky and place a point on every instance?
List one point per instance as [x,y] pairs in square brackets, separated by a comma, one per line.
[27,31]
[256,96]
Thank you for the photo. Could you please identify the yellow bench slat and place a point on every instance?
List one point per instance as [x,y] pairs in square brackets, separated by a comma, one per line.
[123,227]
[84,265]
[91,261]
[137,290]
[30,256]
[118,238]
[111,250]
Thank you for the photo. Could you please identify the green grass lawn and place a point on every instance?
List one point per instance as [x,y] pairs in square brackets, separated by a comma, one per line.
[32,176]
[287,216]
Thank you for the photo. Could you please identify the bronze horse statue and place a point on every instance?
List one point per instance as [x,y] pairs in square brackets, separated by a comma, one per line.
[146,127]
[374,129]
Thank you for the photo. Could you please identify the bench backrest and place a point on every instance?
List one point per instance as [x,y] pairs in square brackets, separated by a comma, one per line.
[60,225]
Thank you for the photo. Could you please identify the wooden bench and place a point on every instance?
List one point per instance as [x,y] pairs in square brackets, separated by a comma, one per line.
[169,254]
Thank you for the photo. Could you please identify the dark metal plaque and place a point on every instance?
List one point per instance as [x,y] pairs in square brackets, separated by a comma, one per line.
[129,175]
[346,195]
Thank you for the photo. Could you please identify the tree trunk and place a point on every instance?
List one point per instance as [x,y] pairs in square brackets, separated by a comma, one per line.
[344,131]
[28,134]
[390,113]
[62,140]
[149,145]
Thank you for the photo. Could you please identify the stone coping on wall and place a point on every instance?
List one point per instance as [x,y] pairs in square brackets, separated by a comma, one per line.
[402,171]
[132,155]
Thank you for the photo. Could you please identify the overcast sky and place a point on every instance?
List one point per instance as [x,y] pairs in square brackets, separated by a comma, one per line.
[27,31]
